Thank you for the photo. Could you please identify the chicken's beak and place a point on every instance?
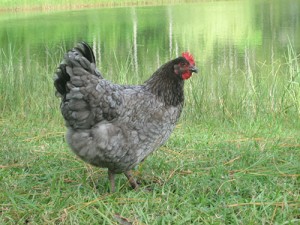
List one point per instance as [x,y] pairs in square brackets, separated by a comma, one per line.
[193,69]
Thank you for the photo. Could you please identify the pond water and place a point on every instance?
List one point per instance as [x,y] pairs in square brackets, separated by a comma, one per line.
[130,43]
[152,35]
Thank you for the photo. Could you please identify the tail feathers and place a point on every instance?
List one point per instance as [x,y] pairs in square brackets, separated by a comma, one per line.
[86,51]
[61,79]
[80,56]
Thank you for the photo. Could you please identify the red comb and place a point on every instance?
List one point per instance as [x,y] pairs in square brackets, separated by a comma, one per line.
[189,57]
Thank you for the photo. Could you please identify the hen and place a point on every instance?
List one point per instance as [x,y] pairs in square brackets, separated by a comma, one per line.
[116,126]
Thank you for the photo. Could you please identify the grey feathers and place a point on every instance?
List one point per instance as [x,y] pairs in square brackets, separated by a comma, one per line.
[111,125]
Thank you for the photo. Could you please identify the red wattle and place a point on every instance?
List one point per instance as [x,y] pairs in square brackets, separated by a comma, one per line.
[186,76]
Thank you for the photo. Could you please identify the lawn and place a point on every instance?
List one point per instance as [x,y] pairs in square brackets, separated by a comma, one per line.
[205,174]
[225,166]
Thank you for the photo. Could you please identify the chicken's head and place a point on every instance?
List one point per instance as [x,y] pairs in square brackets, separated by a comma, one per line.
[185,66]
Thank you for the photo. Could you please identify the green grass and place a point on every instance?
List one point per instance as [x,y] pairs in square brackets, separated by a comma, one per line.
[36,5]
[233,159]
[205,174]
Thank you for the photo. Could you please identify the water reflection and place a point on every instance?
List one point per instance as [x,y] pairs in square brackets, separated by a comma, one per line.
[228,38]
[207,29]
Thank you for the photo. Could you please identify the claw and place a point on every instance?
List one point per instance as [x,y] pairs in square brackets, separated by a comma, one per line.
[131,180]
[111,177]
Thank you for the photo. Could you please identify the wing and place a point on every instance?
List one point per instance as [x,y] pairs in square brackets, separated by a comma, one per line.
[119,126]
[90,100]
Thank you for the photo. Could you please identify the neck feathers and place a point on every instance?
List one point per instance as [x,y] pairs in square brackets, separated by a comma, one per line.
[166,85]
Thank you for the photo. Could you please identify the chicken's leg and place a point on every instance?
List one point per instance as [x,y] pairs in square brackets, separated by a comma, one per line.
[111,177]
[131,180]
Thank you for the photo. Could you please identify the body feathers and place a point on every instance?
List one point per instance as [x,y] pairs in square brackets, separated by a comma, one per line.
[116,126]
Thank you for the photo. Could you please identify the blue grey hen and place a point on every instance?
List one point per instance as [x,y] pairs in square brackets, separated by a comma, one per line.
[116,126]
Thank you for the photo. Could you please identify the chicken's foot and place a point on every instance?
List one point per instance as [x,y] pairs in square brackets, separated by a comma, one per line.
[111,177]
[131,180]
